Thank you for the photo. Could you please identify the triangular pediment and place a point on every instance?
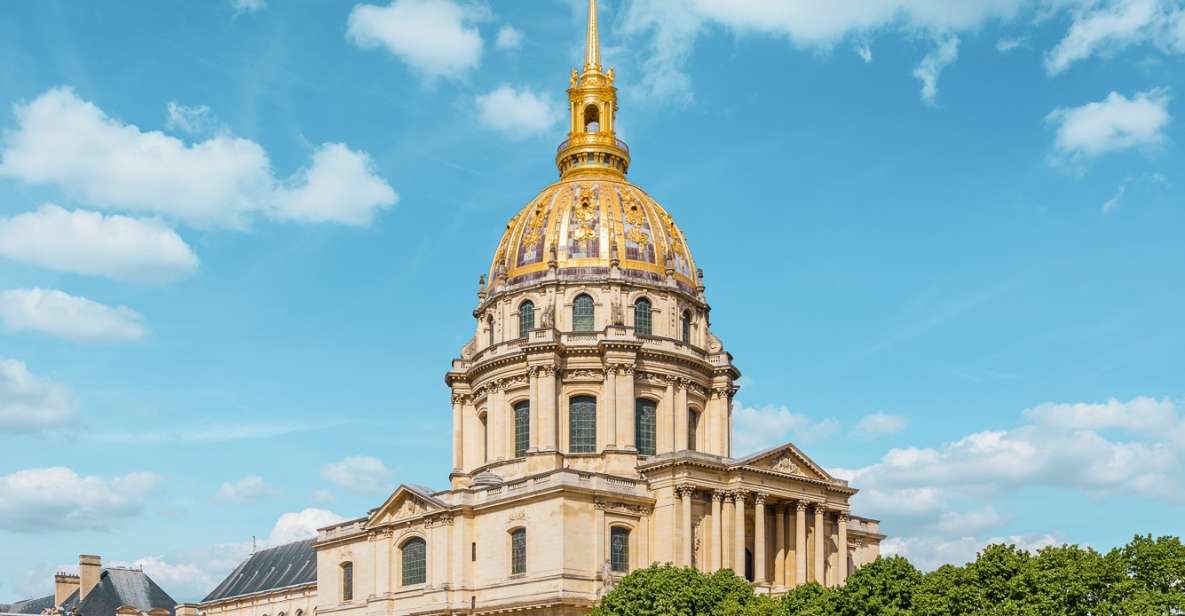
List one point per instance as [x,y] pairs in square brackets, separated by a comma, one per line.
[786,460]
[406,503]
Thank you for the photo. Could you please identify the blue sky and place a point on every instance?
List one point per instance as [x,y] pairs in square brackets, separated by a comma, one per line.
[240,242]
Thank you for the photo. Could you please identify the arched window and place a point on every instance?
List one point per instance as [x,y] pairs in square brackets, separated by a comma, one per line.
[490,331]
[415,570]
[592,119]
[692,428]
[347,581]
[522,428]
[583,313]
[686,327]
[644,420]
[582,424]
[526,318]
[619,549]
[642,317]
[518,551]
[485,437]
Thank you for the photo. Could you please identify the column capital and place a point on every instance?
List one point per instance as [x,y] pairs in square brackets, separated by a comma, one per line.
[759,498]
[820,508]
[719,495]
[685,489]
[800,506]
[739,495]
[843,517]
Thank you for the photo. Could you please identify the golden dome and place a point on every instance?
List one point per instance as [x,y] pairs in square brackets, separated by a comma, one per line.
[587,227]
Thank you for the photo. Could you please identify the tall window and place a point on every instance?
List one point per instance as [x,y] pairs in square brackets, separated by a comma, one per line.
[485,437]
[490,331]
[619,549]
[644,420]
[686,327]
[526,319]
[347,581]
[692,427]
[522,428]
[642,317]
[582,424]
[414,565]
[518,551]
[583,314]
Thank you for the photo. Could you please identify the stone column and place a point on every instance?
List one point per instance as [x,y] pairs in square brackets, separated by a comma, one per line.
[738,528]
[841,574]
[625,408]
[685,492]
[779,545]
[669,438]
[716,422]
[533,387]
[717,532]
[759,539]
[730,516]
[681,414]
[547,416]
[498,426]
[608,422]
[820,550]
[458,432]
[800,543]
[600,554]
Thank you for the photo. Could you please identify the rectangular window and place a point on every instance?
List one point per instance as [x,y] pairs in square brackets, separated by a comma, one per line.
[473,551]
[522,428]
[347,581]
[644,422]
[692,426]
[582,425]
[415,569]
[518,552]
[619,549]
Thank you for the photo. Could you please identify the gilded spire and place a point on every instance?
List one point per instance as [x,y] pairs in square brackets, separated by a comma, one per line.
[592,53]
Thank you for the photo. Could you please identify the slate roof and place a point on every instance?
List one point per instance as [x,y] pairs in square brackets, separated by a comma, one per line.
[287,565]
[119,587]
[29,606]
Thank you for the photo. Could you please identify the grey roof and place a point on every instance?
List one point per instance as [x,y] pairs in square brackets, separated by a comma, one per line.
[119,587]
[287,565]
[29,606]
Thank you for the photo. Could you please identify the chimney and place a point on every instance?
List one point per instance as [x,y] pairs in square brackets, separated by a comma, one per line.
[64,585]
[89,567]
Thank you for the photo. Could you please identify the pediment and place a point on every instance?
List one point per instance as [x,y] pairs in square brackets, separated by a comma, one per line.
[786,460]
[406,503]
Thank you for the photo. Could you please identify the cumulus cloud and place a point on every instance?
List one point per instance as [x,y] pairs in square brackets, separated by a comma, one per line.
[1006,45]
[932,65]
[64,141]
[301,525]
[1112,124]
[60,314]
[251,487]
[755,429]
[197,120]
[518,114]
[944,499]
[1100,28]
[437,38]
[43,500]
[509,37]
[29,403]
[929,553]
[880,424]
[361,474]
[89,243]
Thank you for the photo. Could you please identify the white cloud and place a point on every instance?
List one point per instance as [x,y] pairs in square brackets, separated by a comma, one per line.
[63,315]
[880,424]
[932,65]
[29,403]
[359,474]
[251,487]
[198,120]
[248,6]
[1006,45]
[89,243]
[323,496]
[340,187]
[509,37]
[1114,201]
[223,181]
[940,499]
[930,552]
[518,114]
[1112,124]
[301,525]
[437,38]
[52,499]
[1108,27]
[864,50]
[756,429]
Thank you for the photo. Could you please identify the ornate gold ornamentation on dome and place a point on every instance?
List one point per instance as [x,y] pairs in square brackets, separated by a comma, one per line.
[585,215]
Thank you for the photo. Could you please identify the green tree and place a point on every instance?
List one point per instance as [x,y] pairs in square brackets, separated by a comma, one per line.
[667,590]
[1151,576]
[809,600]
[883,587]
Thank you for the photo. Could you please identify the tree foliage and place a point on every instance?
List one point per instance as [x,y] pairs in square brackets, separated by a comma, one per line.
[1145,577]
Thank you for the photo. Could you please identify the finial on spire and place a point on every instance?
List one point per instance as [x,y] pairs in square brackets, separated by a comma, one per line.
[592,54]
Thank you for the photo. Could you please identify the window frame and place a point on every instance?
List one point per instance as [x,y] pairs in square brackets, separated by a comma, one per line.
[584,322]
[346,572]
[526,318]
[582,438]
[619,550]
[643,325]
[646,432]
[404,580]
[518,551]
[522,427]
